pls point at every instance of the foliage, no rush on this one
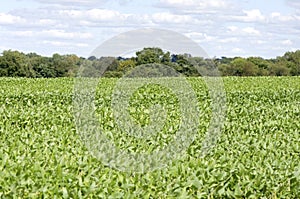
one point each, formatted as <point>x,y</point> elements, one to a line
<point>17,64</point>
<point>151,55</point>
<point>126,65</point>
<point>257,155</point>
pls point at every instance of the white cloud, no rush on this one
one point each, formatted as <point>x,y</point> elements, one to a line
<point>64,44</point>
<point>199,4</point>
<point>287,42</point>
<point>82,45</point>
<point>23,33</point>
<point>6,19</point>
<point>83,3</point>
<point>172,18</point>
<point>25,20</point>
<point>54,43</point>
<point>259,42</point>
<point>237,50</point>
<point>100,18</point>
<point>200,37</point>
<point>65,35</point>
<point>74,2</point>
<point>93,14</point>
<point>94,17</point>
<point>46,22</point>
<point>229,40</point>
<point>276,16</point>
<point>293,3</point>
<point>251,31</point>
<point>57,34</point>
<point>254,15</point>
<point>222,26</point>
<point>104,15</point>
<point>195,6</point>
<point>234,30</point>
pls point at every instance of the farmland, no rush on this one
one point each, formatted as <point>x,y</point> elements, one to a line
<point>257,154</point>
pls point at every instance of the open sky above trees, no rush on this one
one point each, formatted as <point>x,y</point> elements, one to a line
<point>222,27</point>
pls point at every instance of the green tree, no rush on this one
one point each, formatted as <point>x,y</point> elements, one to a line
<point>279,69</point>
<point>293,62</point>
<point>126,65</point>
<point>263,65</point>
<point>150,55</point>
<point>242,67</point>
<point>15,64</point>
<point>65,65</point>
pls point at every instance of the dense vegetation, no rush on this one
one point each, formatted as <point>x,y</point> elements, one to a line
<point>42,156</point>
<point>18,64</point>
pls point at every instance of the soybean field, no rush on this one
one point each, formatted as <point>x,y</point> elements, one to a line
<point>256,155</point>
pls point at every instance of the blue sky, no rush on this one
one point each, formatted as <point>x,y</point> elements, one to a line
<point>221,27</point>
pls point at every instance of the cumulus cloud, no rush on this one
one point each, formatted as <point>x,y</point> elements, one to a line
<point>259,42</point>
<point>64,18</point>
<point>221,26</point>
<point>234,30</point>
<point>254,15</point>
<point>64,44</point>
<point>195,6</point>
<point>203,4</point>
<point>237,50</point>
<point>83,3</point>
<point>229,40</point>
<point>277,16</point>
<point>93,14</point>
<point>23,33</point>
<point>287,42</point>
<point>74,2</point>
<point>46,22</point>
<point>53,33</point>
<point>200,37</point>
<point>7,19</point>
<point>166,17</point>
<point>251,30</point>
<point>65,35</point>
<point>293,3</point>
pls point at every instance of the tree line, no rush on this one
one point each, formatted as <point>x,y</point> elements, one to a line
<point>32,65</point>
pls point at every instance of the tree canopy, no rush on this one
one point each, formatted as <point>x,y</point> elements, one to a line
<point>32,65</point>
